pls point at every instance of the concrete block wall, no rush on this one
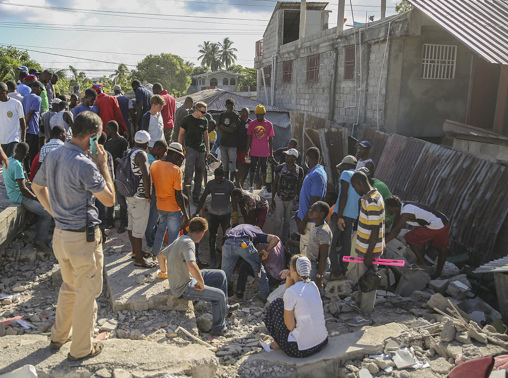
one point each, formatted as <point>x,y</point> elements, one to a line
<point>491,152</point>
<point>375,72</point>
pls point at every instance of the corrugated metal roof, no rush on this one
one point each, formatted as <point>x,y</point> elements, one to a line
<point>495,266</point>
<point>296,5</point>
<point>469,190</point>
<point>480,25</point>
<point>215,99</point>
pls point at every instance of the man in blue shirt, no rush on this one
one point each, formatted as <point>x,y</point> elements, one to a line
<point>17,191</point>
<point>32,108</point>
<point>345,213</point>
<point>143,105</point>
<point>88,104</point>
<point>313,190</point>
<point>23,88</point>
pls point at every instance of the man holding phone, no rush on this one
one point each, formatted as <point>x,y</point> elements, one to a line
<point>69,180</point>
<point>187,281</point>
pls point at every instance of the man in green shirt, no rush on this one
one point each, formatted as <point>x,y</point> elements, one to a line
<point>194,134</point>
<point>381,188</point>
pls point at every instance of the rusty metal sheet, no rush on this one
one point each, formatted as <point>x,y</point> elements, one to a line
<point>465,188</point>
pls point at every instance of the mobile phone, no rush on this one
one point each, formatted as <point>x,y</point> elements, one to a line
<point>93,149</point>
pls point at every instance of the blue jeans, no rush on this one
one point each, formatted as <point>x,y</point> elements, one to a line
<point>216,286</point>
<point>314,269</point>
<point>169,221</point>
<point>44,222</point>
<point>233,250</point>
<point>152,222</point>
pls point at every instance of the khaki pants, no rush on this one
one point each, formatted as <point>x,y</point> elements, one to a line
<point>81,264</point>
<point>168,135</point>
<point>304,239</point>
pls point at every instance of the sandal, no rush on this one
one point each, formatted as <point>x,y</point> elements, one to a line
<point>55,345</point>
<point>144,254</point>
<point>145,264</point>
<point>97,348</point>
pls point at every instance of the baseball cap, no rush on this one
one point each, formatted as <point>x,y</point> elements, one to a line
<point>292,152</point>
<point>142,137</point>
<point>34,71</point>
<point>349,159</point>
<point>364,170</point>
<point>31,78</point>
<point>260,109</point>
<point>117,88</point>
<point>23,68</point>
<point>56,101</point>
<point>176,147</point>
<point>366,144</point>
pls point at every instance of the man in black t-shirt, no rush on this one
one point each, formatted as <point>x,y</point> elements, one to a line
<point>241,147</point>
<point>116,145</point>
<point>227,126</point>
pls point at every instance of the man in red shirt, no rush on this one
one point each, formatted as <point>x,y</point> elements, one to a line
<point>168,111</point>
<point>109,109</point>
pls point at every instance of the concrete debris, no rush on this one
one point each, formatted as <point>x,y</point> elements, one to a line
<point>121,373</point>
<point>420,296</point>
<point>391,346</point>
<point>383,363</point>
<point>364,373</point>
<point>457,290</point>
<point>56,278</point>
<point>439,285</point>
<point>10,332</point>
<point>178,304</point>
<point>204,322</point>
<point>475,332</point>
<point>371,367</point>
<point>136,335</point>
<point>448,332</point>
<point>141,279</point>
<point>18,288</point>
<point>27,255</point>
<point>110,325</point>
<point>463,337</point>
<point>336,290</point>
<point>441,366</point>
<point>403,359</point>
<point>478,316</point>
<point>449,270</point>
<point>437,301</point>
<point>103,373</point>
<point>121,334</point>
<point>411,281</point>
<point>334,309</point>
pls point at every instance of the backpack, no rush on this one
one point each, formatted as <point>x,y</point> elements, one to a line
<point>126,181</point>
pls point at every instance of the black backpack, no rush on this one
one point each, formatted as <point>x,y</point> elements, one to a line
<point>126,181</point>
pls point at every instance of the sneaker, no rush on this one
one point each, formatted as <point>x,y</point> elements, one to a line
<point>235,298</point>
<point>352,305</point>
<point>333,277</point>
<point>121,229</point>
<point>359,321</point>
<point>42,248</point>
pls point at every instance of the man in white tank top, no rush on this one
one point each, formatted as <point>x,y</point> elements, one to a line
<point>63,118</point>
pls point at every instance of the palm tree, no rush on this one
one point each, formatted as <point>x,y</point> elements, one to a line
<point>210,55</point>
<point>227,54</point>
<point>121,74</point>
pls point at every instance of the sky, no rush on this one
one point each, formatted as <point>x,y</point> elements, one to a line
<point>95,36</point>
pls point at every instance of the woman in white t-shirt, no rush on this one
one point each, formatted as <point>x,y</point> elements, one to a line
<point>297,322</point>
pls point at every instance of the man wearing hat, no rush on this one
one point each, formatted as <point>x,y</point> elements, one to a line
<point>260,143</point>
<point>138,206</point>
<point>167,176</point>
<point>287,184</point>
<point>344,215</point>
<point>125,106</point>
<point>362,155</point>
<point>32,108</point>
<point>26,80</point>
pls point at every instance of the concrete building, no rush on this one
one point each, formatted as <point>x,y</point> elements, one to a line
<point>404,74</point>
<point>221,79</point>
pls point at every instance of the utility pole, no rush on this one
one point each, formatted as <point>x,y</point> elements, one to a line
<point>303,21</point>
<point>340,17</point>
<point>383,9</point>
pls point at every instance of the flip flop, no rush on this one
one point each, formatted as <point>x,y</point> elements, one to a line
<point>97,348</point>
<point>55,345</point>
<point>144,254</point>
<point>145,265</point>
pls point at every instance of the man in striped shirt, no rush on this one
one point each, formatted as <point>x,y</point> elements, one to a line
<point>370,243</point>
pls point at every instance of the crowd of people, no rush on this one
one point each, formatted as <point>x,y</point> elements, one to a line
<point>85,155</point>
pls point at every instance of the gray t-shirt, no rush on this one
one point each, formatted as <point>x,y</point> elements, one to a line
<point>178,253</point>
<point>221,196</point>
<point>318,236</point>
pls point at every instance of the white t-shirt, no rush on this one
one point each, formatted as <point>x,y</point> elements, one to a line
<point>425,218</point>
<point>11,112</point>
<point>16,96</point>
<point>305,300</point>
<point>155,129</point>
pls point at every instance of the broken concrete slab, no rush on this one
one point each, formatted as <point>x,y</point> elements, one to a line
<point>364,373</point>
<point>463,338</point>
<point>369,340</point>
<point>440,366</point>
<point>411,281</point>
<point>478,316</point>
<point>439,285</point>
<point>475,332</point>
<point>403,359</point>
<point>140,358</point>
<point>457,289</point>
<point>337,290</point>
<point>441,303</point>
<point>450,269</point>
<point>448,332</point>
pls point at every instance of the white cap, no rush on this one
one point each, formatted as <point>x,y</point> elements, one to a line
<point>142,137</point>
<point>56,101</point>
<point>292,152</point>
<point>117,88</point>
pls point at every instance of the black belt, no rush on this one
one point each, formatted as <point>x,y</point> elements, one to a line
<point>83,229</point>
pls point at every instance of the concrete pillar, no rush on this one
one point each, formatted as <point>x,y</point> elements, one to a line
<point>340,16</point>
<point>501,99</point>
<point>383,9</point>
<point>303,20</point>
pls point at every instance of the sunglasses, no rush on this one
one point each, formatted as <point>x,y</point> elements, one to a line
<point>202,112</point>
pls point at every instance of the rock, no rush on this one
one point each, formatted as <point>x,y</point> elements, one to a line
<point>27,255</point>
<point>420,296</point>
<point>440,366</point>
<point>7,301</point>
<point>403,359</point>
<point>391,346</point>
<point>439,285</point>
<point>372,368</point>
<point>103,373</point>
<point>204,322</point>
<point>2,329</point>
<point>41,256</point>
<point>334,309</point>
<point>141,279</point>
<point>56,278</point>
<point>178,304</point>
<point>120,334</point>
<point>457,290</point>
<point>18,288</point>
<point>439,348</point>
<point>136,335</point>
<point>110,325</point>
<point>475,333</point>
<point>411,281</point>
<point>336,290</point>
<point>478,316</point>
<point>35,319</point>
<point>449,270</point>
<point>448,332</point>
<point>441,303</point>
<point>120,373</point>
<point>121,317</point>
<point>383,363</point>
<point>10,332</point>
<point>364,373</point>
<point>463,337</point>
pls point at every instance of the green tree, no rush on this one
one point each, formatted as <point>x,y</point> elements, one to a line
<point>79,78</point>
<point>11,58</point>
<point>63,85</point>
<point>236,68</point>
<point>168,69</point>
<point>403,6</point>
<point>249,79</point>
<point>122,76</point>
<point>210,55</point>
<point>227,53</point>
<point>199,70</point>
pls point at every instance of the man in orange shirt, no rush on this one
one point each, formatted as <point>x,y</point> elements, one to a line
<point>109,109</point>
<point>166,176</point>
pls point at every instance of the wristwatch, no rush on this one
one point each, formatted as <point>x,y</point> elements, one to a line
<point>319,276</point>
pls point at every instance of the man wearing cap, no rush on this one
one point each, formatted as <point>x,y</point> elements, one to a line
<point>167,181</point>
<point>345,214</point>
<point>168,111</point>
<point>25,87</point>
<point>88,103</point>
<point>125,106</point>
<point>362,155</point>
<point>143,105</point>
<point>12,122</point>
<point>260,144</point>
<point>32,108</point>
<point>194,133</point>
<point>287,184</point>
<point>109,109</point>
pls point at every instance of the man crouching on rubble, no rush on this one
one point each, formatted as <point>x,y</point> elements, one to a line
<point>188,282</point>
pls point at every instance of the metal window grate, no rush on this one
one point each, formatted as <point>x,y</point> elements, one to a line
<point>349,62</point>
<point>287,72</point>
<point>313,69</point>
<point>259,48</point>
<point>438,61</point>
<point>267,71</point>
